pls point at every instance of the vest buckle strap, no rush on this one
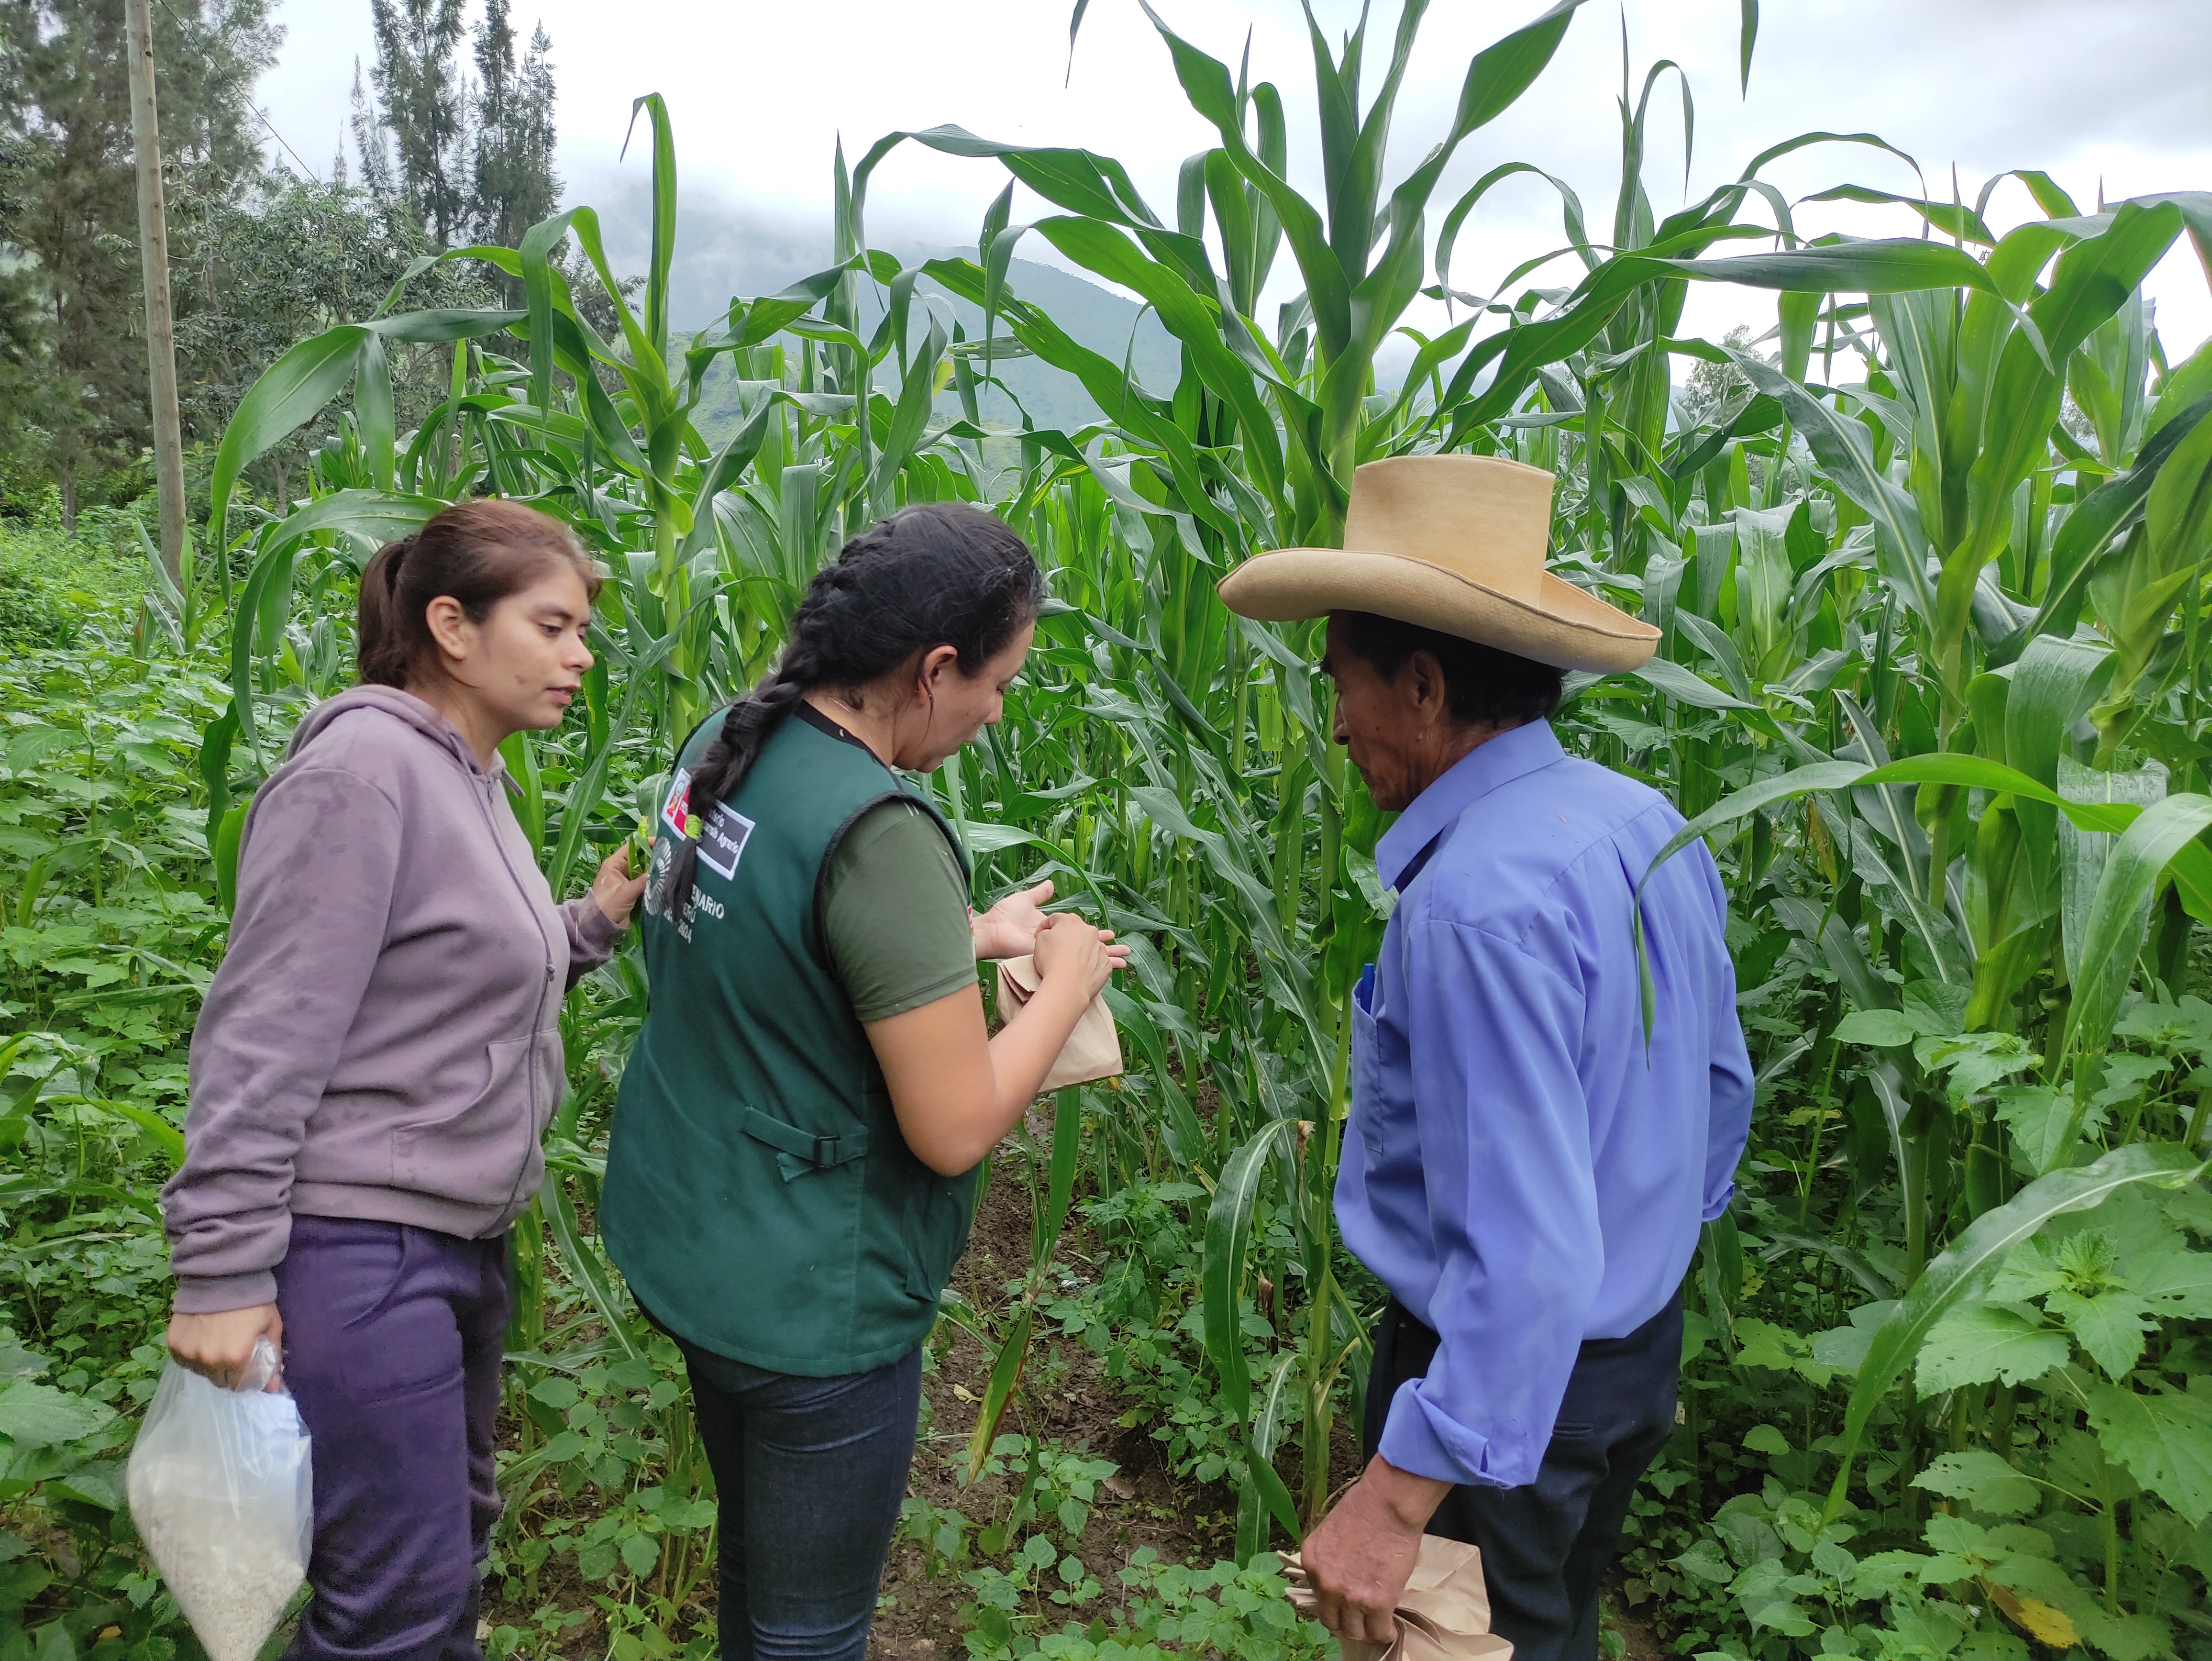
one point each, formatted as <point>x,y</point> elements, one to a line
<point>800,1152</point>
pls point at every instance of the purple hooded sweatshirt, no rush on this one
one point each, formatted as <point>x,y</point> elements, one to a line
<point>382,1040</point>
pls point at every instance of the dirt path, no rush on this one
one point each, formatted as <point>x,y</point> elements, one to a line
<point>1143,1504</point>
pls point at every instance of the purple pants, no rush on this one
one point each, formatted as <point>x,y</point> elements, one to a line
<point>392,1340</point>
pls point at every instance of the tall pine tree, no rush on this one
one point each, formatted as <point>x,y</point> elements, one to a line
<point>471,160</point>
<point>369,137</point>
<point>514,185</point>
<point>425,107</point>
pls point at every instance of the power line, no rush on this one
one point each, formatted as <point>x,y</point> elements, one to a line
<point>257,114</point>
<point>279,137</point>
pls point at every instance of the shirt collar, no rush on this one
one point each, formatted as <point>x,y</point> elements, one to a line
<point>1467,781</point>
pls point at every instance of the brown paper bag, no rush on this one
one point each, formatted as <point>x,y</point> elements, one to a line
<point>1443,1616</point>
<point>1093,1050</point>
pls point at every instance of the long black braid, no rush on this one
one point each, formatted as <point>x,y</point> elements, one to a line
<point>937,574</point>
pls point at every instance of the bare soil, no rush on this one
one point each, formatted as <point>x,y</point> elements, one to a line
<point>1643,1642</point>
<point>1144,1505</point>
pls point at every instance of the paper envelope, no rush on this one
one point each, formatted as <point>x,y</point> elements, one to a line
<point>1443,1616</point>
<point>1093,1050</point>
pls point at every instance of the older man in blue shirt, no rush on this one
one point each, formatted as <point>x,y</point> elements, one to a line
<point>1527,1169</point>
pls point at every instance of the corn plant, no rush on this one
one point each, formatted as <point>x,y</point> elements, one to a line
<point>1256,447</point>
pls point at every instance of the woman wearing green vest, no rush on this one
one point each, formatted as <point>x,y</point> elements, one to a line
<point>795,1141</point>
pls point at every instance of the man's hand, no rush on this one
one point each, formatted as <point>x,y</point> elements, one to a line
<point>1364,1551</point>
<point>219,1346</point>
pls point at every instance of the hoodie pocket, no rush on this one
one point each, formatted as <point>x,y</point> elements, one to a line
<point>474,1153</point>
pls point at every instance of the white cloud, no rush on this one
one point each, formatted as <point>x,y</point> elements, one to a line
<point>2109,94</point>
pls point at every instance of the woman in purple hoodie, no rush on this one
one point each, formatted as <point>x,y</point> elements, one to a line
<point>376,1060</point>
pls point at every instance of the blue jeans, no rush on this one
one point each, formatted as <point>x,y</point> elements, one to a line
<point>810,1474</point>
<point>1546,1546</point>
<point>392,1339</point>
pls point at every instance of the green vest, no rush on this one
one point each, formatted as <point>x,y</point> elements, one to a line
<point>759,1196</point>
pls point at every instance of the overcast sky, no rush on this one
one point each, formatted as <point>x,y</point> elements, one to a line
<point>2110,94</point>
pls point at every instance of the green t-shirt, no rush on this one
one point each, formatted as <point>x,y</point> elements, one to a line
<point>895,913</point>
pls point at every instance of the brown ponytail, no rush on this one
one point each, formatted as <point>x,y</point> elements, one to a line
<point>475,553</point>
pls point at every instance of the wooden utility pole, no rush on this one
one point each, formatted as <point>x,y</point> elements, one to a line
<point>153,259</point>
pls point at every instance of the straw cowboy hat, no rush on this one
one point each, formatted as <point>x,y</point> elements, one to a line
<point>1453,542</point>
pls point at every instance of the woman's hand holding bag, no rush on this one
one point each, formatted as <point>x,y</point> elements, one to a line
<point>220,1347</point>
<point>1093,1050</point>
<point>1009,929</point>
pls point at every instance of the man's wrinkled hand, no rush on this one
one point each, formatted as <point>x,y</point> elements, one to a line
<point>1363,1553</point>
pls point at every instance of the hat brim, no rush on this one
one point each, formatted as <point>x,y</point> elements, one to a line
<point>1569,627</point>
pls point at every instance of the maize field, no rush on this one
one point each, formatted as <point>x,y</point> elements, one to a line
<point>1930,562</point>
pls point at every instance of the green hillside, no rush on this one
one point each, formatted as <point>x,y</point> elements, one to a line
<point>1110,324</point>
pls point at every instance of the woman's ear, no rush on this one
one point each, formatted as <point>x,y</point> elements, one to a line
<point>450,626</point>
<point>937,659</point>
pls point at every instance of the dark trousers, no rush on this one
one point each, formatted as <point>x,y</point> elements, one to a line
<point>810,1473</point>
<point>1546,1545</point>
<point>392,1339</point>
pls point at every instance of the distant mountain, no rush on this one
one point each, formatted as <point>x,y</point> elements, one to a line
<point>723,249</point>
<point>1116,328</point>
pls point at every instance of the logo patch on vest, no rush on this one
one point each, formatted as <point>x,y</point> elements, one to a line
<point>674,811</point>
<point>722,839</point>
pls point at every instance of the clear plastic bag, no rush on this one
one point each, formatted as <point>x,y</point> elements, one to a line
<point>221,1492</point>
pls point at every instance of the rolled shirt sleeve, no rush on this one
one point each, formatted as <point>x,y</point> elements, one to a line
<point>1512,1204</point>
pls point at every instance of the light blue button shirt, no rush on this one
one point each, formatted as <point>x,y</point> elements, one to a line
<point>1520,1170</point>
